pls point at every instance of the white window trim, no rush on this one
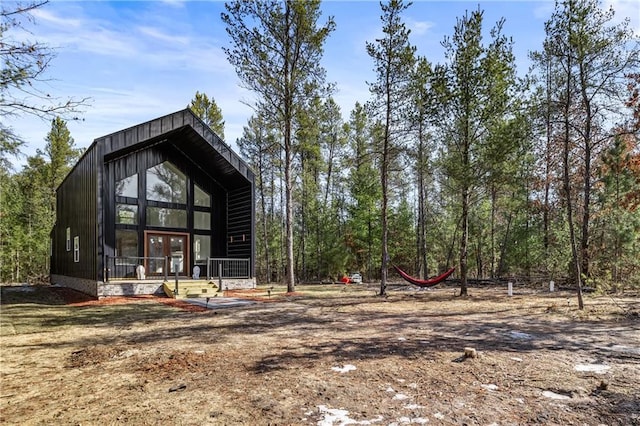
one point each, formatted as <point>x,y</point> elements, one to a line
<point>76,249</point>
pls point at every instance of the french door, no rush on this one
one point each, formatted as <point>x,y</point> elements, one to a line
<point>175,246</point>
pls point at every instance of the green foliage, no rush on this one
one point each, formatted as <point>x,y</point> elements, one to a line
<point>259,145</point>
<point>476,91</point>
<point>446,161</point>
<point>617,222</point>
<point>276,49</point>
<point>29,200</point>
<point>10,146</point>
<point>209,112</point>
<point>393,58</point>
<point>362,235</point>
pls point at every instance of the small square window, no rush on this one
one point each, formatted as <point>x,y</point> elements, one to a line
<point>126,214</point>
<point>76,249</point>
<point>201,220</point>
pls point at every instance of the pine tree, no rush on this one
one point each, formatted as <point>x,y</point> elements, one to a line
<point>276,50</point>
<point>393,58</point>
<point>209,112</point>
<point>476,93</point>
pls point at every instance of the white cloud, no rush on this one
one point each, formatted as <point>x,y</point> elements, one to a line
<point>174,3</point>
<point>46,16</point>
<point>164,37</point>
<point>543,10</point>
<point>419,28</point>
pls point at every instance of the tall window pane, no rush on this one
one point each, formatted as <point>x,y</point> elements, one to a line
<point>166,183</point>
<point>127,187</point>
<point>126,243</point>
<point>201,220</point>
<point>166,218</point>
<point>201,249</point>
<point>201,198</point>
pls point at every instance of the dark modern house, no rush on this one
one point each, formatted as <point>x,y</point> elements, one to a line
<point>160,201</point>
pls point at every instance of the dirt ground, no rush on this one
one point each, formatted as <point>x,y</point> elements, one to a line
<point>327,355</point>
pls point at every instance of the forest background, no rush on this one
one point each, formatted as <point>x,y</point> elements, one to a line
<point>460,162</point>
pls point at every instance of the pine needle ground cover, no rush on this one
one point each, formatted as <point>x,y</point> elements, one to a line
<point>327,354</point>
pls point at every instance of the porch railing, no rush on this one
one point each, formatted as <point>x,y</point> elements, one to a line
<point>221,267</point>
<point>126,267</point>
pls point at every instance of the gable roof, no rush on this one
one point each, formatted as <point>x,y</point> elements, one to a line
<point>188,134</point>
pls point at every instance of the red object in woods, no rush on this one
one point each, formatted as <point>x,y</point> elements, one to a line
<point>424,283</point>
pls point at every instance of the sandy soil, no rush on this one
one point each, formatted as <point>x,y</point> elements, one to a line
<point>328,355</point>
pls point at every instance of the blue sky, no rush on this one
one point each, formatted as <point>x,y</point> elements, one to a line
<point>139,60</point>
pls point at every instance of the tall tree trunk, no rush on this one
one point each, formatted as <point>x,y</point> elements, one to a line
<point>586,208</point>
<point>17,267</point>
<point>263,208</point>
<point>464,241</point>
<point>567,183</point>
<point>546,208</point>
<point>290,277</point>
<point>288,153</point>
<point>493,230</point>
<point>503,248</point>
<point>422,270</point>
<point>385,201</point>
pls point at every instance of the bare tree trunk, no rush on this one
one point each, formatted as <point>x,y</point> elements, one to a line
<point>288,155</point>
<point>586,208</point>
<point>423,270</point>
<point>567,185</point>
<point>503,248</point>
<point>288,194</point>
<point>493,231</point>
<point>265,228</point>
<point>385,201</point>
<point>464,242</point>
<point>17,267</point>
<point>547,181</point>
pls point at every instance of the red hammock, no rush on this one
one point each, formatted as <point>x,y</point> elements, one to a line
<point>424,283</point>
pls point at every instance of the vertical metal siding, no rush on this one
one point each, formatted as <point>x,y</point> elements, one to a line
<point>77,199</point>
<point>240,223</point>
<point>86,199</point>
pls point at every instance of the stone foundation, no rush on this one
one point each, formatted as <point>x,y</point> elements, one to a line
<point>236,283</point>
<point>136,288</point>
<point>129,288</point>
<point>83,285</point>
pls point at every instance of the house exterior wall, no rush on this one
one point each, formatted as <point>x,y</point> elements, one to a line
<point>240,228</point>
<point>77,210</point>
<point>137,163</point>
<point>86,200</point>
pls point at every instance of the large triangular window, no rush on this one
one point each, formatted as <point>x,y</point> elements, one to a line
<point>127,187</point>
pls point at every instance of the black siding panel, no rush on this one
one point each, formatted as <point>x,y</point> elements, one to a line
<point>77,208</point>
<point>240,229</point>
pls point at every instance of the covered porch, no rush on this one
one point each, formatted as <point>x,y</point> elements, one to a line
<point>127,276</point>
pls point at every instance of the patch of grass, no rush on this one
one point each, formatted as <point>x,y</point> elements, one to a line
<point>27,310</point>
